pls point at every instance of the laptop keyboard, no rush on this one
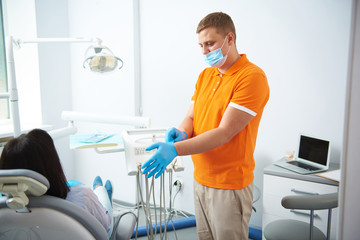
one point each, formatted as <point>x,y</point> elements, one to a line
<point>303,165</point>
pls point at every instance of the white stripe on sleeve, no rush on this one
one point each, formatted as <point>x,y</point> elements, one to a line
<point>242,108</point>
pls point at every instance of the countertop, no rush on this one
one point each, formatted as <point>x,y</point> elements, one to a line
<point>282,172</point>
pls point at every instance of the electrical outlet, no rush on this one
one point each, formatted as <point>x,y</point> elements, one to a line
<point>178,184</point>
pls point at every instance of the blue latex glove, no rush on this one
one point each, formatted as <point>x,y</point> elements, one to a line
<point>158,162</point>
<point>175,135</point>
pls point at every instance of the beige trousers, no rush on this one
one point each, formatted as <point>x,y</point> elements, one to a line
<point>222,214</point>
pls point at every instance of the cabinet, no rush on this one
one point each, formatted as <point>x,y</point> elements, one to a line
<point>279,182</point>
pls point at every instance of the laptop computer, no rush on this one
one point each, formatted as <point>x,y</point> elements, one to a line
<point>313,156</point>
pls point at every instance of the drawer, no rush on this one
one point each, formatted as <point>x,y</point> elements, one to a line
<point>281,186</point>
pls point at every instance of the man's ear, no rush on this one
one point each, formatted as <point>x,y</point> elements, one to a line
<point>231,37</point>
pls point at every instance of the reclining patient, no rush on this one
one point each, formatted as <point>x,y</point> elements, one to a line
<point>36,151</point>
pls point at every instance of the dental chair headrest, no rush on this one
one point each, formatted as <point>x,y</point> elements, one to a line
<point>18,183</point>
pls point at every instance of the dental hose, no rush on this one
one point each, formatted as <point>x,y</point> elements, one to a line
<point>161,236</point>
<point>148,216</point>
<point>164,214</point>
<point>138,201</point>
<point>163,186</point>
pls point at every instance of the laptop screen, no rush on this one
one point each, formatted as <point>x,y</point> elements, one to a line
<point>314,150</point>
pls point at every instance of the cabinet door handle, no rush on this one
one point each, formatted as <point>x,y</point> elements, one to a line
<point>303,213</point>
<point>303,192</point>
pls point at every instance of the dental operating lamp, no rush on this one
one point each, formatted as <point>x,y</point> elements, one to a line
<point>98,58</point>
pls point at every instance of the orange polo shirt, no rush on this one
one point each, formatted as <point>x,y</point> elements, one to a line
<point>243,86</point>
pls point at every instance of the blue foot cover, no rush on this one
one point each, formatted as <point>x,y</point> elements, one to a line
<point>97,181</point>
<point>109,189</point>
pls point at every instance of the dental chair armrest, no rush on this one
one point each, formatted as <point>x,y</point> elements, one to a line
<point>311,202</point>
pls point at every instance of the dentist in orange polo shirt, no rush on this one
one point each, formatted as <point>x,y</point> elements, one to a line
<point>219,132</point>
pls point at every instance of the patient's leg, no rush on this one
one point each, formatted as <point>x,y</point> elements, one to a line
<point>104,199</point>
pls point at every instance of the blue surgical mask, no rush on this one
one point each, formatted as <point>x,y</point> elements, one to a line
<point>215,58</point>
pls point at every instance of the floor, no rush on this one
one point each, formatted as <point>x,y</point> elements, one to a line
<point>187,233</point>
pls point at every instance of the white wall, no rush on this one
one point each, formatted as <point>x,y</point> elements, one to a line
<point>20,22</point>
<point>301,45</point>
<point>54,68</point>
<point>108,94</point>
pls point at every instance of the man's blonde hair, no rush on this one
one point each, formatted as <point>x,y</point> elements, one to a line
<point>221,21</point>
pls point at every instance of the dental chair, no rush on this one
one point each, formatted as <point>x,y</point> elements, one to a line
<point>26,213</point>
<point>285,229</point>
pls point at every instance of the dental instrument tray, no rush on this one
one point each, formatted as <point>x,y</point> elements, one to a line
<point>97,137</point>
<point>81,141</point>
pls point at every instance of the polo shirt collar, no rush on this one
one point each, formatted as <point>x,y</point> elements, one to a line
<point>235,67</point>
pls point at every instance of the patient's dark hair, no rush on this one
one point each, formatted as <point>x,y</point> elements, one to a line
<point>36,151</point>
